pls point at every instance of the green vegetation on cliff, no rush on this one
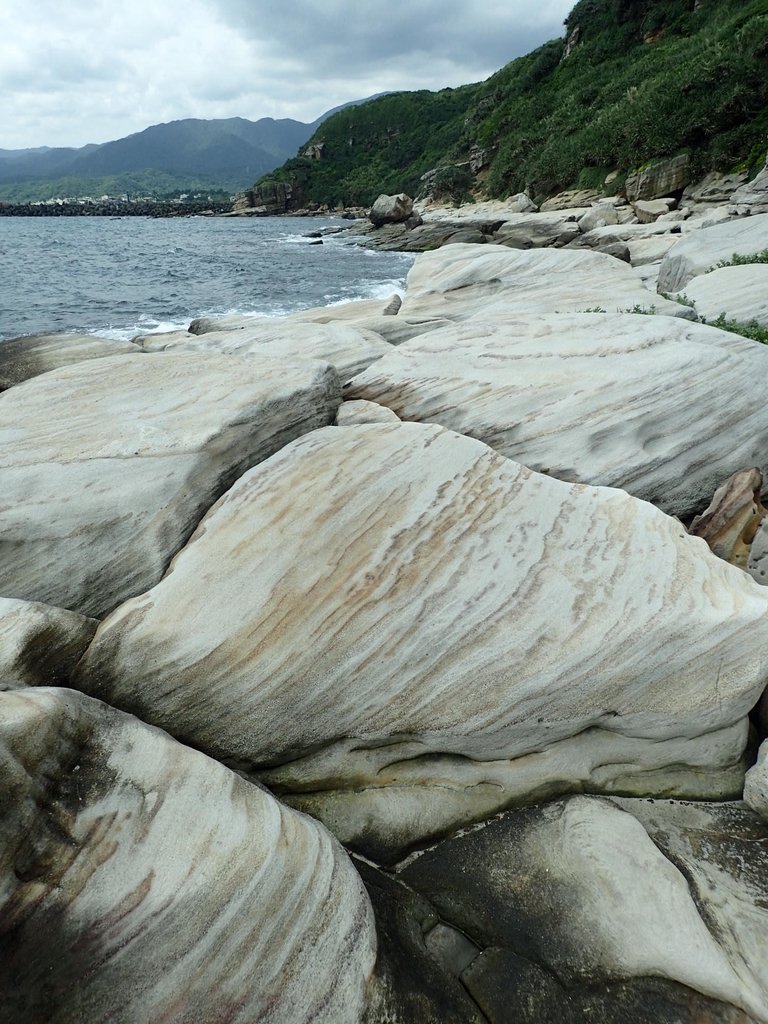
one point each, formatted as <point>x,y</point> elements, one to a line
<point>643,79</point>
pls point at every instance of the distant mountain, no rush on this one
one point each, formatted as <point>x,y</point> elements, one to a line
<point>223,154</point>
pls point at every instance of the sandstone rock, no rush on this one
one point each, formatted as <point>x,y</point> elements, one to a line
<point>757,565</point>
<point>427,632</point>
<point>461,282</point>
<point>598,217</point>
<point>40,645</point>
<point>660,178</point>
<point>160,341</point>
<point>397,329</point>
<point>355,412</point>
<point>700,251</point>
<point>347,347</point>
<point>733,518</point>
<point>23,358</point>
<point>663,408</point>
<point>756,784</point>
<point>233,322</point>
<point>98,497</point>
<point>649,210</point>
<point>571,200</point>
<point>350,312</point>
<point>142,881</point>
<point>521,203</point>
<point>391,209</point>
<point>740,293</point>
<point>752,197</point>
<point>649,912</point>
<point>539,231</point>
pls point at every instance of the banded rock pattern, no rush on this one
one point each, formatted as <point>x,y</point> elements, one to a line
<point>106,467</point>
<point>348,348</point>
<point>462,282</point>
<point>662,408</point>
<point>33,354</point>
<point>428,632</point>
<point>141,881</point>
<point>701,251</point>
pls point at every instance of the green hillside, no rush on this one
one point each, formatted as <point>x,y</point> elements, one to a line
<point>645,78</point>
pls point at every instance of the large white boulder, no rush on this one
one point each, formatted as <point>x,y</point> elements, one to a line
<point>664,408</point>
<point>739,293</point>
<point>698,252</point>
<point>347,347</point>
<point>460,282</point>
<point>605,910</point>
<point>106,467</point>
<point>141,881</point>
<point>401,631</point>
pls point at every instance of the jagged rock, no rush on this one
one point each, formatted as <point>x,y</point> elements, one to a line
<point>409,982</point>
<point>757,565</point>
<point>663,408</point>
<point>23,358</point>
<point>752,197</point>
<point>740,293</point>
<point>355,412</point>
<point>649,210</point>
<point>142,881</point>
<point>756,784</point>
<point>398,329</point>
<point>572,200</point>
<point>658,179</point>
<point>391,209</point>
<point>40,645</point>
<point>106,467</point>
<point>733,518</point>
<point>613,911</point>
<point>461,282</point>
<point>715,187</point>
<point>700,251</point>
<point>347,347</point>
<point>427,632</point>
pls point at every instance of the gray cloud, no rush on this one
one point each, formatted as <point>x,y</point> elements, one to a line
<point>91,70</point>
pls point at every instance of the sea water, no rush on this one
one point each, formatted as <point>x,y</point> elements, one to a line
<point>123,276</point>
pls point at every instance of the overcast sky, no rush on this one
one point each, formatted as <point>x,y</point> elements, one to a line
<point>83,71</point>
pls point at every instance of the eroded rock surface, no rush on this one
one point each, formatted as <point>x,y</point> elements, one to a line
<point>662,408</point>
<point>40,645</point>
<point>460,282</point>
<point>106,467</point>
<point>731,522</point>
<point>142,881</point>
<point>700,251</point>
<point>427,632</point>
<point>738,293</point>
<point>616,911</point>
<point>29,356</point>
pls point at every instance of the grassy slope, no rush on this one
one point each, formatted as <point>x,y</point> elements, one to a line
<point>648,78</point>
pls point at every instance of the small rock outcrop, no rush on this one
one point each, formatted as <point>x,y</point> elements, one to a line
<point>29,356</point>
<point>733,518</point>
<point>660,178</point>
<point>391,210</point>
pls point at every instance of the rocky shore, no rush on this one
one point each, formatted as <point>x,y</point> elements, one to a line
<point>398,661</point>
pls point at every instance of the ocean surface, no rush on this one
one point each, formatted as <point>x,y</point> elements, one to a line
<point>123,276</point>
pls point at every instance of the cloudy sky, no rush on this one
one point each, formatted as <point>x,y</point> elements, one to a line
<point>83,71</point>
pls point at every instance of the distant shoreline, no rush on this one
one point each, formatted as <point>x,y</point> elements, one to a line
<point>117,208</point>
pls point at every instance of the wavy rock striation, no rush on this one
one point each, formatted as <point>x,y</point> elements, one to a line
<point>141,881</point>
<point>462,282</point>
<point>40,645</point>
<point>662,408</point>
<point>107,467</point>
<point>427,632</point>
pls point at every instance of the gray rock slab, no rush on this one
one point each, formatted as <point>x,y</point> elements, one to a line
<point>609,910</point>
<point>739,293</point>
<point>29,356</point>
<point>106,467</point>
<point>661,407</point>
<point>427,632</point>
<point>141,881</point>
